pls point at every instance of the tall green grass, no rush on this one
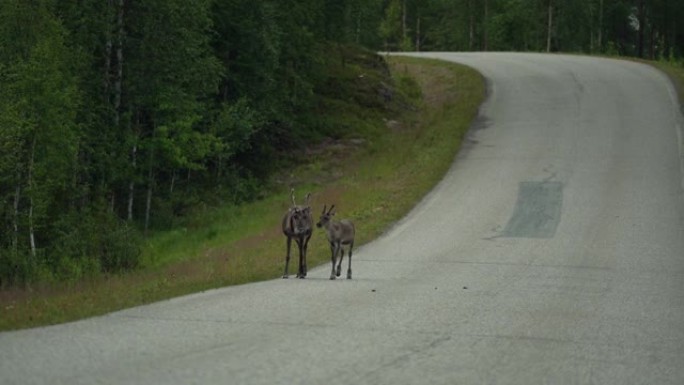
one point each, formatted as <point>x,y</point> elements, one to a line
<point>675,70</point>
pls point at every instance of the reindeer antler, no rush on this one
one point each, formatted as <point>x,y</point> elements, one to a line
<point>331,209</point>
<point>308,195</point>
<point>293,197</point>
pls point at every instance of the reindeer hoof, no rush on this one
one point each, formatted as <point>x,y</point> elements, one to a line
<point>332,277</point>
<point>285,277</point>
<point>349,275</point>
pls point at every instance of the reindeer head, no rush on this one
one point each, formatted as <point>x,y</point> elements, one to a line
<point>301,219</point>
<point>325,217</point>
<point>300,216</point>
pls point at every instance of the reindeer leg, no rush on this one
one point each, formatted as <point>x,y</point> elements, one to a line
<point>306,247</point>
<point>349,273</point>
<point>339,262</point>
<point>300,246</point>
<point>333,251</point>
<point>287,257</point>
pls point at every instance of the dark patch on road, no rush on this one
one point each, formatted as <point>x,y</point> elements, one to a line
<point>537,210</point>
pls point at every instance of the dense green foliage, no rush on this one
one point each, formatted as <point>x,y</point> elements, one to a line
<point>119,116</point>
<point>645,28</point>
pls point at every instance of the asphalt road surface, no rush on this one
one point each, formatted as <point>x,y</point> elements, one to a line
<point>551,253</point>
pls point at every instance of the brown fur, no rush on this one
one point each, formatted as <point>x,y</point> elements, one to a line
<point>339,233</point>
<point>298,224</point>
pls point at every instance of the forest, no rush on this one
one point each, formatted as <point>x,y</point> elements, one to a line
<point>117,117</point>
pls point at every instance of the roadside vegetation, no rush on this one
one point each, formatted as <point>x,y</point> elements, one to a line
<point>675,70</point>
<point>389,155</point>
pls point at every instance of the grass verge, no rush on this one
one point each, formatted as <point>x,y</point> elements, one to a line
<point>675,71</point>
<point>375,181</point>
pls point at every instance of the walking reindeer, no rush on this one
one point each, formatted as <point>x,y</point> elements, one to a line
<point>339,233</point>
<point>298,224</point>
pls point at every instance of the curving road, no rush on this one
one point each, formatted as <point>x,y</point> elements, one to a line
<point>552,252</point>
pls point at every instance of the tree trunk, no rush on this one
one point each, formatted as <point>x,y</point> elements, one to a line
<point>673,39</point>
<point>219,168</point>
<point>108,53</point>
<point>404,30</point>
<point>131,185</point>
<point>642,26</point>
<point>600,27</point>
<point>148,202</point>
<point>418,34</point>
<point>652,45</point>
<point>173,181</point>
<point>485,43</point>
<point>471,40</point>
<point>150,185</point>
<point>107,84</point>
<point>32,234</point>
<point>549,27</point>
<point>357,37</point>
<point>32,237</point>
<point>15,219</point>
<point>119,63</point>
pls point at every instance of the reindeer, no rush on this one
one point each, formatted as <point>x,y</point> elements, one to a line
<point>297,224</point>
<point>339,233</point>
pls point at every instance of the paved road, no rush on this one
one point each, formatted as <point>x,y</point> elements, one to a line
<point>552,252</point>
